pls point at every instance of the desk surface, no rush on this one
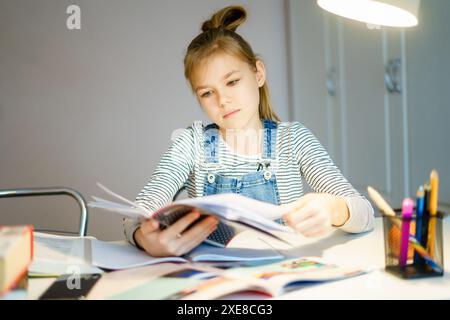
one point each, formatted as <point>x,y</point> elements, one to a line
<point>368,250</point>
<point>347,249</point>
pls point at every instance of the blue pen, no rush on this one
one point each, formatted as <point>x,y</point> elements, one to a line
<point>420,205</point>
<point>424,254</point>
<point>425,216</point>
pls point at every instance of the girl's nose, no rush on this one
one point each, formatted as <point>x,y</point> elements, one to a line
<point>224,100</point>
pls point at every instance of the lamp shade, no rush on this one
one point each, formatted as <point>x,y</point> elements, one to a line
<point>392,13</point>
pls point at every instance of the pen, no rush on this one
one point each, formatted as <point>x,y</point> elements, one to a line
<point>419,214</point>
<point>425,216</point>
<point>434,183</point>
<point>407,210</point>
<point>426,198</point>
<point>424,254</point>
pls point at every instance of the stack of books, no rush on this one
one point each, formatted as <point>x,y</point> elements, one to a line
<point>16,255</point>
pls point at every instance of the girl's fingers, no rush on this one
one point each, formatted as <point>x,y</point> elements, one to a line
<point>299,215</point>
<point>181,224</point>
<point>200,227</point>
<point>306,225</point>
<point>180,245</point>
<point>149,226</point>
<point>195,239</point>
<point>316,232</point>
<point>294,206</point>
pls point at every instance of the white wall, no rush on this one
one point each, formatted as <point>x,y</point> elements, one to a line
<point>100,103</point>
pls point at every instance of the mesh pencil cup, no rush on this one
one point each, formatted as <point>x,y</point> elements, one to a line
<point>416,266</point>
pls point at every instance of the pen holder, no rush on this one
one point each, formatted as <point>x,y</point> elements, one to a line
<point>409,263</point>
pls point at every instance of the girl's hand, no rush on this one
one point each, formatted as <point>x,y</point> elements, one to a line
<point>314,214</point>
<point>174,240</point>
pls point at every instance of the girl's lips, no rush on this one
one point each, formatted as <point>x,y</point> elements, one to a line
<point>231,113</point>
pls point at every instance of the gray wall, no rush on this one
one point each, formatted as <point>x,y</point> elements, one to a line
<point>100,103</point>
<point>428,52</point>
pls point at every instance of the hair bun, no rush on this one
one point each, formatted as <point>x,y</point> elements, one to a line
<point>228,18</point>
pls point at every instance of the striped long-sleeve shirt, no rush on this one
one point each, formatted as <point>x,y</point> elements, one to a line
<point>299,156</point>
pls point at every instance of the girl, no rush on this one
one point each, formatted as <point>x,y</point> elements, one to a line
<point>246,150</point>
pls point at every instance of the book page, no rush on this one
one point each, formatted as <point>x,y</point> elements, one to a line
<point>60,248</point>
<point>257,240</point>
<point>125,210</point>
<point>228,206</point>
<point>122,205</point>
<point>254,208</point>
<point>122,255</point>
<point>56,255</point>
<point>295,273</point>
<point>271,279</point>
<point>218,287</point>
<point>116,282</point>
<point>205,252</point>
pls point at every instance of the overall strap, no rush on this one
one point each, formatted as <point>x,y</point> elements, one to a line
<point>270,138</point>
<point>211,145</point>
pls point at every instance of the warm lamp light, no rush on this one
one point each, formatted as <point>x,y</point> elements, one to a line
<point>391,13</point>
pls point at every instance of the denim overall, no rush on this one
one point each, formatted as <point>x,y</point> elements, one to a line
<point>260,184</point>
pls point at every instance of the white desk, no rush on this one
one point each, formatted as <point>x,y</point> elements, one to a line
<point>368,250</point>
<point>347,249</point>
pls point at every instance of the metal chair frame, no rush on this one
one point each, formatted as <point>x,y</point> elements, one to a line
<point>52,191</point>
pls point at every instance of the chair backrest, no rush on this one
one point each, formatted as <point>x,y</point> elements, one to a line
<point>52,191</point>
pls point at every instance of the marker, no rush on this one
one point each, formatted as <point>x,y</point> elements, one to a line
<point>407,211</point>
<point>419,214</point>
<point>434,182</point>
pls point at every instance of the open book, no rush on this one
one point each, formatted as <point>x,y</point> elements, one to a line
<point>271,280</point>
<point>194,281</point>
<point>57,255</point>
<point>236,213</point>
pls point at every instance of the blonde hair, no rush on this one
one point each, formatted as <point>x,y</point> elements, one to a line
<point>219,36</point>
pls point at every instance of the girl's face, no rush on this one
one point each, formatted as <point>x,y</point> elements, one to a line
<point>227,88</point>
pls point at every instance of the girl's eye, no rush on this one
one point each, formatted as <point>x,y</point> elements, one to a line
<point>206,94</point>
<point>232,83</point>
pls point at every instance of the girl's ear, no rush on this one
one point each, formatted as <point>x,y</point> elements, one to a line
<point>260,73</point>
